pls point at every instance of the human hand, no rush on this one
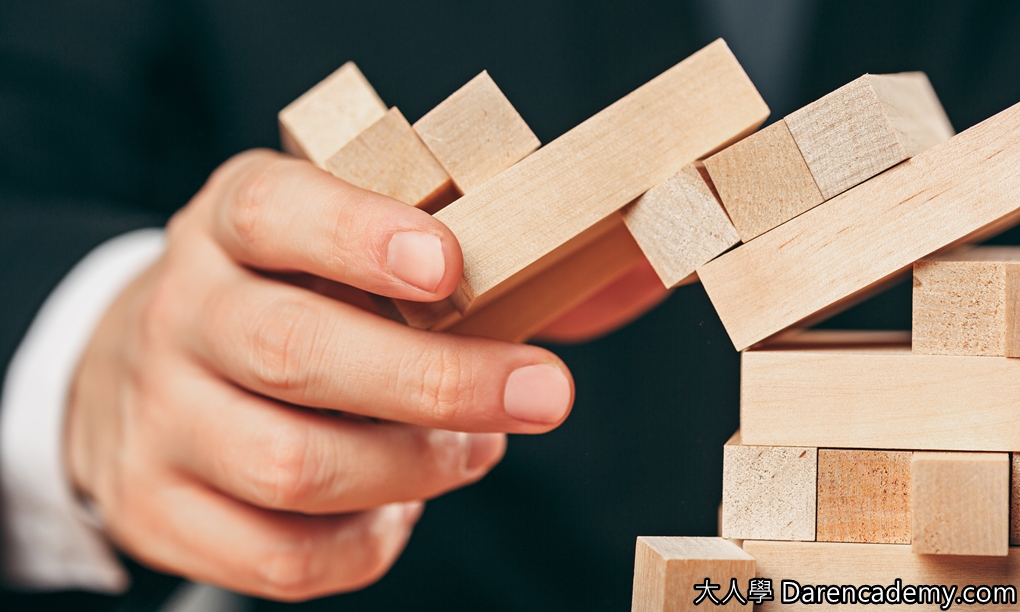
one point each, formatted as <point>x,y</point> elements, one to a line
<point>189,423</point>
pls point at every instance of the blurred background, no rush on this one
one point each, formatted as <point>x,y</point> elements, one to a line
<point>113,113</point>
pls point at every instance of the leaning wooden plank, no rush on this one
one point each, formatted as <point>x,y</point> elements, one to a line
<point>329,115</point>
<point>763,181</point>
<point>680,225</point>
<point>966,303</point>
<point>863,496</point>
<point>513,223</point>
<point>875,396</point>
<point>867,126</point>
<point>882,576</point>
<point>963,189</point>
<point>960,503</point>
<point>769,492</point>
<point>476,133</point>
<point>542,299</point>
<point>667,569</point>
<point>390,159</point>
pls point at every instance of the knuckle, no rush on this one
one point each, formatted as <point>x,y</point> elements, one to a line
<point>283,346</point>
<point>289,479</point>
<point>288,574</point>
<point>248,212</point>
<point>445,386</point>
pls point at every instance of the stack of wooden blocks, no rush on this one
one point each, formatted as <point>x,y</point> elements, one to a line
<point>862,456</point>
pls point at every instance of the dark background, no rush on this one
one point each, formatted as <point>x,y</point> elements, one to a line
<point>112,114</point>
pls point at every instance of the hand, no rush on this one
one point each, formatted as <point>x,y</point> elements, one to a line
<point>190,423</point>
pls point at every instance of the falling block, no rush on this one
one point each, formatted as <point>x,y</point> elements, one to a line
<point>389,158</point>
<point>968,303</point>
<point>763,181</point>
<point>839,252</point>
<point>769,492</point>
<point>666,570</point>
<point>869,393</point>
<point>513,224</point>
<point>867,126</point>
<point>810,568</point>
<point>863,496</point>
<point>329,115</point>
<point>960,503</point>
<point>476,133</point>
<point>680,225</point>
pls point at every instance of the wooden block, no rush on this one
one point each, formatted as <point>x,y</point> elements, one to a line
<point>666,570</point>
<point>329,115</point>
<point>960,503</point>
<point>390,159</point>
<point>963,189</point>
<point>877,396</point>
<point>1014,501</point>
<point>476,133</point>
<point>540,300</point>
<point>513,223</point>
<point>763,181</point>
<point>867,126</point>
<point>890,567</point>
<point>966,303</point>
<point>863,496</point>
<point>680,225</point>
<point>769,492</point>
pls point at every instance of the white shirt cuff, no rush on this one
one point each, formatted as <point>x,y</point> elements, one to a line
<point>50,540</point>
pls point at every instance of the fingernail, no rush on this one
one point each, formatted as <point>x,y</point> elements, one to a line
<point>417,259</point>
<point>537,393</point>
<point>483,449</point>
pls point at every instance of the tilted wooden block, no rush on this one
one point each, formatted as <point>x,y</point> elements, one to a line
<point>390,159</point>
<point>680,225</point>
<point>867,126</point>
<point>666,570</point>
<point>900,574</point>
<point>1014,501</point>
<point>968,303</point>
<point>835,254</point>
<point>960,503</point>
<point>329,115</point>
<point>868,394</point>
<point>763,181</point>
<point>476,133</point>
<point>769,492</point>
<point>512,225</point>
<point>863,496</point>
<point>542,299</point>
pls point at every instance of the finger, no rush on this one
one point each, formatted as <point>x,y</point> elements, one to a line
<point>301,348</point>
<point>186,529</point>
<point>277,213</point>
<point>287,458</point>
<point>633,294</point>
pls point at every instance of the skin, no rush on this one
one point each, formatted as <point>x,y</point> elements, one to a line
<point>240,417</point>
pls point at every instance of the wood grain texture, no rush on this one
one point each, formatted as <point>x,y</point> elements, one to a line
<point>964,303</point>
<point>1014,501</point>
<point>476,133</point>
<point>390,159</point>
<point>863,496</point>
<point>525,213</point>
<point>963,189</point>
<point>824,563</point>
<point>867,126</point>
<point>960,503</point>
<point>539,301</point>
<point>680,225</point>
<point>878,396</point>
<point>769,492</point>
<point>329,115</point>
<point>667,568</point>
<point>763,181</point>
